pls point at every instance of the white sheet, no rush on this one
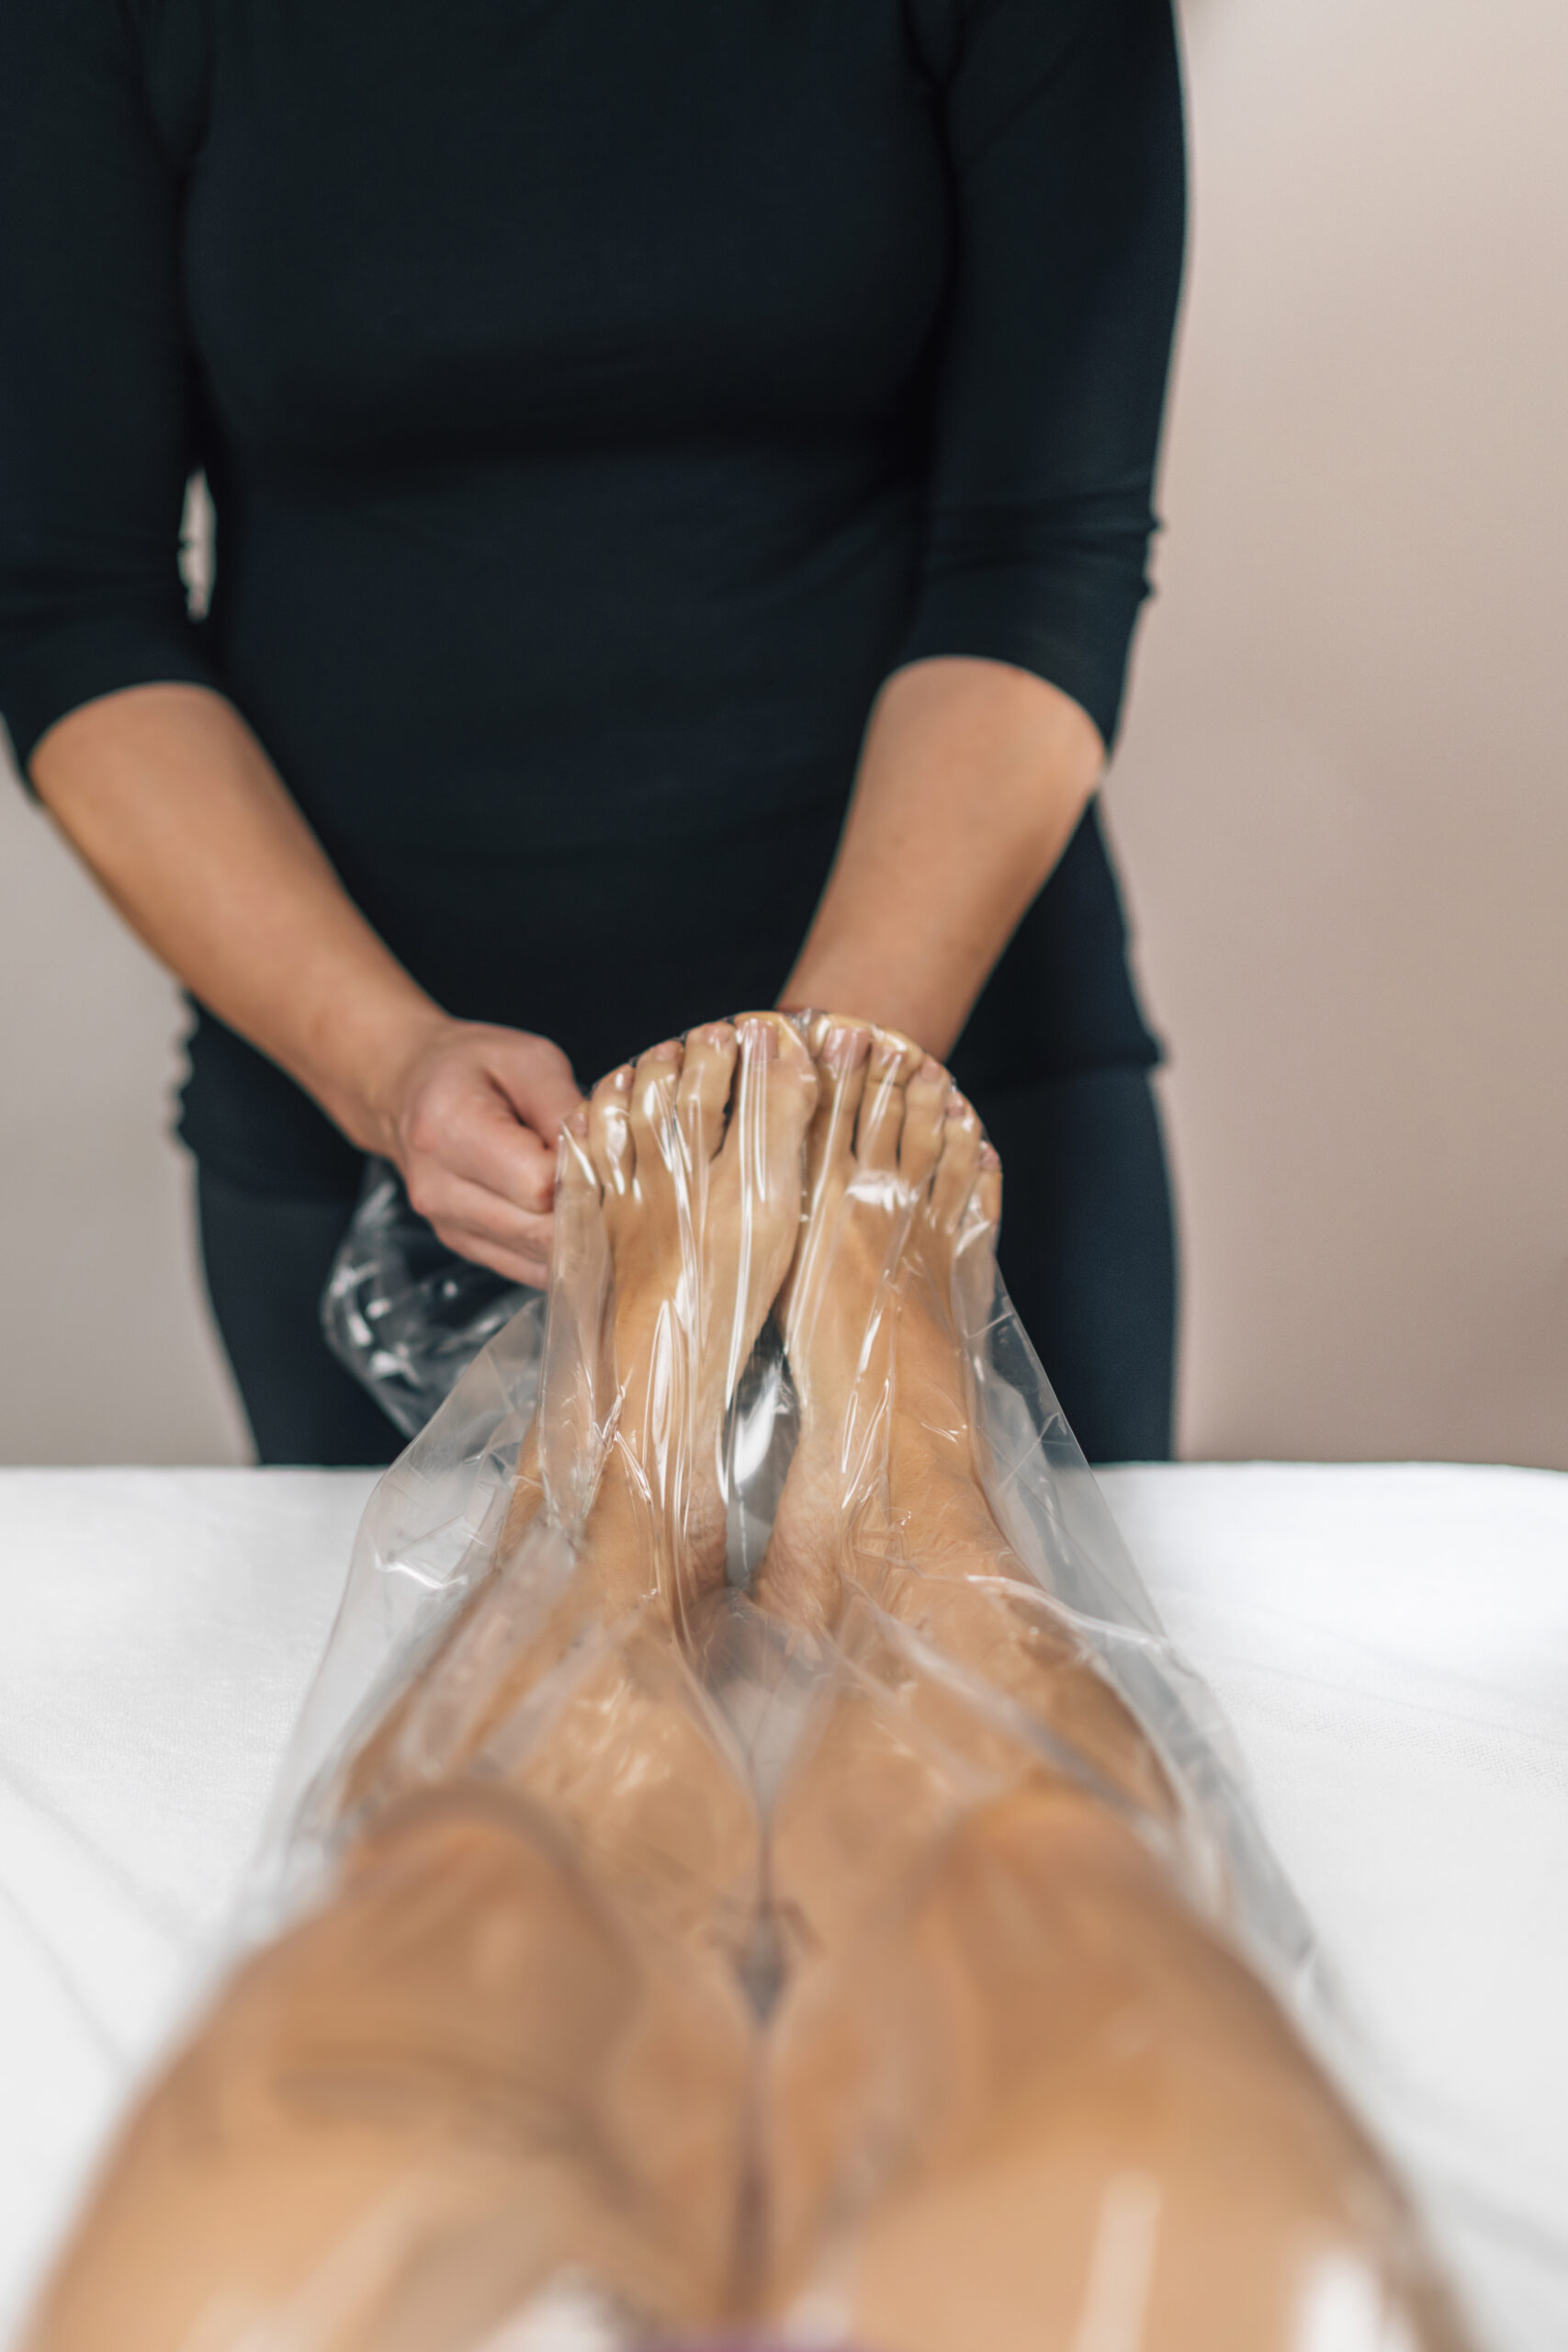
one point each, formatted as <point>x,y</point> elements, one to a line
<point>1391,1645</point>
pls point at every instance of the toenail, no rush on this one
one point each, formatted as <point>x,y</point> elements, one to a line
<point>577,1124</point>
<point>930,1072</point>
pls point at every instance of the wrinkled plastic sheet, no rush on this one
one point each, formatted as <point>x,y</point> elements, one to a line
<point>449,1666</point>
<point>405,1315</point>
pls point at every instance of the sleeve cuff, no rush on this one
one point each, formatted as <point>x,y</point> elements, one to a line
<point>1060,602</point>
<point>44,677</point>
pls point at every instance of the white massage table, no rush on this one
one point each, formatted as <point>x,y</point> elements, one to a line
<point>1391,1645</point>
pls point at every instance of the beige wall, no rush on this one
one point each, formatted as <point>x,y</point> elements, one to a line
<point>1340,800</point>
<point>1342,793</point>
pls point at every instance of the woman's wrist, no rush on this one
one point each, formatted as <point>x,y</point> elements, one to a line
<point>883,995</point>
<point>971,778</point>
<point>169,797</point>
<point>362,1071</point>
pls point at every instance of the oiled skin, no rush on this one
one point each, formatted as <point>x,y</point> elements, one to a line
<point>513,2040</point>
<point>1010,2088</point>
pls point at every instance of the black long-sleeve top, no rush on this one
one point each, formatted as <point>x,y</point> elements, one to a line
<point>599,398</point>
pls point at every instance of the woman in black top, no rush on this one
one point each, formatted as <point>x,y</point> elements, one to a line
<point>638,436</point>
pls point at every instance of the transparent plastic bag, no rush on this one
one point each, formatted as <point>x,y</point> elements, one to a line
<point>403,1313</point>
<point>751,1866</point>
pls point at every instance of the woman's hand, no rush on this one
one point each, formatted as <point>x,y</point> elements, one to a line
<point>472,1118</point>
<point>175,805</point>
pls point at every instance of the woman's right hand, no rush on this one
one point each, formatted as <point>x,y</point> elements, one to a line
<point>175,805</point>
<point>472,1117</point>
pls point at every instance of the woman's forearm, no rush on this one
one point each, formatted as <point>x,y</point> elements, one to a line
<point>173,803</point>
<point>972,780</point>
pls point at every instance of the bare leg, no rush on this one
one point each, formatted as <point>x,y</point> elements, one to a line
<point>1022,2094</point>
<point>680,1195</point>
<point>459,2082</point>
<point>1042,2103</point>
<point>512,2046</point>
<point>885,1502</point>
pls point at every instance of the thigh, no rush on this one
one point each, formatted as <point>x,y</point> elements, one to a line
<point>463,2079</point>
<point>1089,1251</point>
<point>266,1258</point>
<point>1091,2122</point>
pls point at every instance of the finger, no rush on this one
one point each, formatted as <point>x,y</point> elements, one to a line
<point>533,1269</point>
<point>470,1217</point>
<point>483,1141</point>
<point>535,1078</point>
<point>530,1265</point>
<point>534,1273</point>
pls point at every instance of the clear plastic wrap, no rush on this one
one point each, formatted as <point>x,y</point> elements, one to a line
<point>403,1312</point>
<point>751,1868</point>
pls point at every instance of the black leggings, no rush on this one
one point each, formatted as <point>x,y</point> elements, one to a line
<point>1088,1254</point>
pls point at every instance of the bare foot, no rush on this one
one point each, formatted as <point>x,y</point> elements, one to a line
<point>677,1217</point>
<point>885,1500</point>
<point>695,1165</point>
<point>875,1141</point>
<point>973,1777</point>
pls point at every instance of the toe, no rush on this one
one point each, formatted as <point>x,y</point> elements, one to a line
<point>985,1201</point>
<point>578,1196</point>
<point>977,1223</point>
<point>844,1051</point>
<point>925,1112</point>
<point>958,1166</point>
<point>775,1097</point>
<point>702,1095</point>
<point>772,1039</point>
<point>770,1036</point>
<point>576,1175</point>
<point>893,1062</point>
<point>609,1140</point>
<point>654,1083</point>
